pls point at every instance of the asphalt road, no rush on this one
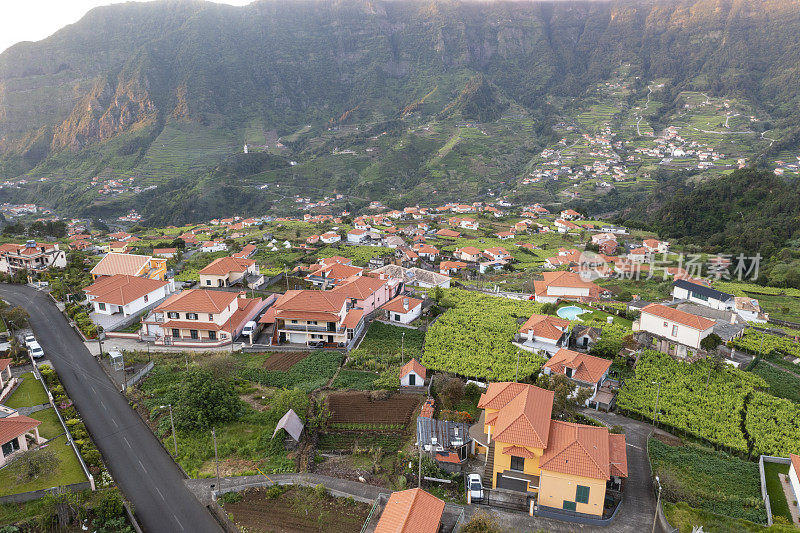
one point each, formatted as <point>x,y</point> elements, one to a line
<point>141,467</point>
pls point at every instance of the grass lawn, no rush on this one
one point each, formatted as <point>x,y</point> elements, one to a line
<point>596,314</point>
<point>50,427</point>
<point>68,471</point>
<point>686,518</point>
<point>782,384</point>
<point>29,393</point>
<point>709,480</point>
<point>385,345</point>
<point>777,499</point>
<point>355,379</point>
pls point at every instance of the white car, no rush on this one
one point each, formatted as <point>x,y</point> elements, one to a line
<point>248,328</point>
<point>29,339</point>
<point>35,350</point>
<point>475,487</point>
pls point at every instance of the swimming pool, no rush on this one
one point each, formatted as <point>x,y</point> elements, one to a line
<point>571,312</point>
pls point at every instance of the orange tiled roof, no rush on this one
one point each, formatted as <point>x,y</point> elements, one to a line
<point>470,250</point>
<point>121,289</point>
<point>546,327</point>
<point>411,511</point>
<point>681,317</point>
<point>360,287</point>
<point>396,304</point>
<point>577,449</point>
<point>795,462</point>
<point>618,455</point>
<point>518,451</point>
<point>352,318</point>
<point>4,364</point>
<point>414,366</point>
<point>12,427</point>
<point>587,368</point>
<point>524,418</point>
<point>114,263</point>
<point>198,301</point>
<point>226,265</point>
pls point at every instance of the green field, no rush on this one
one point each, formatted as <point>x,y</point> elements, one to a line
<point>777,498</point>
<point>69,471</point>
<point>28,393</point>
<point>51,426</point>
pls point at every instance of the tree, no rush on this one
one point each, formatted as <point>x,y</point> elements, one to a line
<point>566,399</point>
<point>15,317</point>
<point>205,401</point>
<point>711,342</point>
<point>438,294</point>
<point>31,464</point>
<point>549,308</point>
<point>481,522</point>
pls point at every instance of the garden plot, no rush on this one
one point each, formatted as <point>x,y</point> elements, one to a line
<point>357,409</point>
<point>284,360</point>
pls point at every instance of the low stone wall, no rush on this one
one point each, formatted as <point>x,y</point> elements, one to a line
<point>36,494</point>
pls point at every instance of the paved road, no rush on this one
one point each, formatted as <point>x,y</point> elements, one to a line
<point>144,471</point>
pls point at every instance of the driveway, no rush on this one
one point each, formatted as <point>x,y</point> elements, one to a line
<point>139,464</point>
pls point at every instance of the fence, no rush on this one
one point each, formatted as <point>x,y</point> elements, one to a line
<point>764,494</point>
<point>22,497</point>
<point>140,374</point>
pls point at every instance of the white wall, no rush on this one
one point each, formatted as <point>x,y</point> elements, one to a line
<point>405,318</point>
<point>418,381</point>
<point>794,481</point>
<point>684,335</point>
<point>553,290</point>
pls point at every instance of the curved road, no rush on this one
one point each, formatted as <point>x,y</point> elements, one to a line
<point>141,467</point>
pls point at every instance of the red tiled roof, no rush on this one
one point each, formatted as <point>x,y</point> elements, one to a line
<point>121,289</point>
<point>360,287</point>
<point>524,420</point>
<point>226,265</point>
<point>577,449</point>
<point>546,327</point>
<point>414,366</point>
<point>618,455</point>
<point>198,301</point>
<point>681,317</point>
<point>587,368</point>
<point>114,263</point>
<point>396,304</point>
<point>518,451</point>
<point>795,462</point>
<point>12,427</point>
<point>4,363</point>
<point>411,511</point>
<point>352,318</point>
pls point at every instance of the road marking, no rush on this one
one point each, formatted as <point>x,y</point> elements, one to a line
<point>126,442</point>
<point>115,423</point>
<point>104,405</point>
<point>179,522</point>
<point>634,446</point>
<point>159,493</point>
<point>143,468</point>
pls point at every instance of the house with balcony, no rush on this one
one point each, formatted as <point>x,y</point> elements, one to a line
<point>333,273</point>
<point>125,295</point>
<point>564,285</point>
<point>587,372</point>
<point>469,254</point>
<point>672,331</point>
<point>141,266</point>
<point>32,256</point>
<point>230,271</point>
<point>565,467</point>
<point>200,317</point>
<point>217,245</point>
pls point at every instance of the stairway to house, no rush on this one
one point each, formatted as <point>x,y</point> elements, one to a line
<point>488,470</point>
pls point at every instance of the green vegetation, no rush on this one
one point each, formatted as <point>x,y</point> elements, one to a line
<point>67,470</point>
<point>781,383</point>
<point>385,345</point>
<point>757,342</point>
<point>777,499</point>
<point>694,398</point>
<point>685,518</point>
<point>103,508</point>
<point>51,426</point>
<point>708,480</point>
<point>28,393</point>
<point>773,425</point>
<point>474,337</point>
<point>311,373</point>
<point>355,379</point>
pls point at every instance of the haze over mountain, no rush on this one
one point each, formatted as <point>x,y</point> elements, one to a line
<point>166,93</point>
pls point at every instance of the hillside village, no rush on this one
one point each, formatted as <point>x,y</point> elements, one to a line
<point>491,339</point>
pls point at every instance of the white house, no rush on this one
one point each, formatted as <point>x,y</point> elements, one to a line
<point>491,266</point>
<point>587,372</point>
<point>127,295</point>
<point>639,255</point>
<point>31,256</point>
<point>564,285</point>
<point>403,309</point>
<point>497,253</point>
<point>564,226</point>
<point>214,246</point>
<point>357,236</point>
<point>543,332</point>
<point>702,295</point>
<point>412,374</point>
<point>675,332</point>
<point>794,475</point>
<point>330,237</point>
<point>749,309</point>
<point>656,246</point>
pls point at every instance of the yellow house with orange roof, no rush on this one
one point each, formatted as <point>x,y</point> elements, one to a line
<point>565,466</point>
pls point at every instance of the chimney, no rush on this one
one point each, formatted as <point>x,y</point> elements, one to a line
<point>733,318</point>
<point>405,304</point>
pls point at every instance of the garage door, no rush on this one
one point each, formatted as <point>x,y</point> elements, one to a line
<point>509,483</point>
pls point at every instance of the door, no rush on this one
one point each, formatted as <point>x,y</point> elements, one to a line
<point>412,379</point>
<point>330,338</point>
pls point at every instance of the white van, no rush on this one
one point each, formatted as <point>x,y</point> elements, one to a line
<point>249,328</point>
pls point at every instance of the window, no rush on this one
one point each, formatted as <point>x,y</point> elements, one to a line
<point>517,463</point>
<point>101,306</point>
<point>294,321</point>
<point>674,331</point>
<point>212,335</point>
<point>569,506</point>
<point>208,282</point>
<point>193,334</point>
<point>145,298</point>
<point>191,316</point>
<point>666,324</point>
<point>568,372</point>
<point>582,494</point>
<point>210,317</point>
<point>173,314</point>
<point>176,332</point>
<point>10,447</point>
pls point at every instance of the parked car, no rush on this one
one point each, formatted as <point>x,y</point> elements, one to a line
<point>316,344</point>
<point>35,350</point>
<point>29,339</point>
<point>475,487</point>
<point>248,329</point>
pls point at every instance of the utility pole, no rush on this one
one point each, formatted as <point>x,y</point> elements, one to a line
<point>419,475</point>
<point>100,342</point>
<point>516,379</point>
<point>286,276</point>
<point>655,411</point>
<point>658,502</point>
<point>124,378</point>
<point>402,347</point>
<point>172,423</point>
<point>216,458</point>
